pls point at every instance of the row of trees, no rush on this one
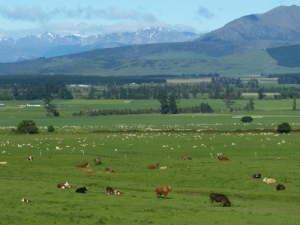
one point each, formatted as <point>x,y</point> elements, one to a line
<point>218,88</point>
<point>56,90</point>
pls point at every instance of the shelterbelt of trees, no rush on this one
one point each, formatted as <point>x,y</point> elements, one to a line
<point>63,87</point>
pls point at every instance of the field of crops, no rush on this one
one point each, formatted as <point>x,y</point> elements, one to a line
<point>128,144</point>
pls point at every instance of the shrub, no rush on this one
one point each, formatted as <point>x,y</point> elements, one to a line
<point>27,127</point>
<point>50,128</point>
<point>247,119</point>
<point>284,128</point>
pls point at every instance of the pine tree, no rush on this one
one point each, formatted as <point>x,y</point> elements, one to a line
<point>294,104</point>
<point>172,103</point>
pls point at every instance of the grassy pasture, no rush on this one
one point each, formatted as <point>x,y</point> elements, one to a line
<point>269,112</point>
<point>130,152</point>
<point>253,201</point>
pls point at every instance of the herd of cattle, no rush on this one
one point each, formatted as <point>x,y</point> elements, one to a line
<point>160,190</point>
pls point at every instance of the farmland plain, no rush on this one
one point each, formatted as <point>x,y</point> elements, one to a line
<point>128,144</point>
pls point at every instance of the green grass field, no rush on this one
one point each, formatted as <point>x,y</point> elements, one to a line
<point>253,201</point>
<point>147,140</point>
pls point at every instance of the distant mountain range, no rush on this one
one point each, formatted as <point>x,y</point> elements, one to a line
<point>51,45</point>
<point>238,47</point>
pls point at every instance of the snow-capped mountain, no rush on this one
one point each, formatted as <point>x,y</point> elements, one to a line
<point>51,44</point>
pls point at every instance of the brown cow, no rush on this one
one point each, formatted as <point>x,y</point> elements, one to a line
<point>221,158</point>
<point>82,165</point>
<point>107,170</point>
<point>186,158</point>
<point>116,192</point>
<point>163,190</point>
<point>97,161</point>
<point>219,198</point>
<point>287,181</point>
<point>87,171</point>
<point>153,166</point>
<point>63,185</point>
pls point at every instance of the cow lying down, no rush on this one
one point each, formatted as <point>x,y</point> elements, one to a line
<point>219,198</point>
<point>81,190</point>
<point>110,190</point>
<point>269,180</point>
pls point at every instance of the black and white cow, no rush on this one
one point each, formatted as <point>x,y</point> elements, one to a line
<point>256,176</point>
<point>279,187</point>
<point>82,190</point>
<point>109,190</point>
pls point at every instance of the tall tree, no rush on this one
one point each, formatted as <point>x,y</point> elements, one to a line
<point>294,104</point>
<point>172,103</point>
<point>50,108</point>
<point>164,102</point>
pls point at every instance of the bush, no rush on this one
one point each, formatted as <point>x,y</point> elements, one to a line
<point>284,128</point>
<point>27,127</point>
<point>247,119</point>
<point>50,128</point>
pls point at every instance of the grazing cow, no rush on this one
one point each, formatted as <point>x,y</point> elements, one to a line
<point>30,158</point>
<point>82,165</point>
<point>153,166</point>
<point>219,198</point>
<point>287,181</point>
<point>87,171</point>
<point>110,170</point>
<point>269,180</point>
<point>256,176</point>
<point>25,200</point>
<point>163,190</point>
<point>109,190</point>
<point>97,161</point>
<point>279,187</point>
<point>221,158</point>
<point>81,190</point>
<point>63,185</point>
<point>186,158</point>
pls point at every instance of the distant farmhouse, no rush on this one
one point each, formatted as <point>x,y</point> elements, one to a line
<point>33,105</point>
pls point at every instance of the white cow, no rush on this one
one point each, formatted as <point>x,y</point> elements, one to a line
<point>269,180</point>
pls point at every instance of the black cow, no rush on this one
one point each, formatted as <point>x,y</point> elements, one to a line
<point>279,187</point>
<point>82,190</point>
<point>109,190</point>
<point>97,161</point>
<point>256,176</point>
<point>219,198</point>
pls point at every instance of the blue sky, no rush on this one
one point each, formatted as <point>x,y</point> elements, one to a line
<point>88,17</point>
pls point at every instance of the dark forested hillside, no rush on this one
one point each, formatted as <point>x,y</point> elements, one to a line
<point>288,56</point>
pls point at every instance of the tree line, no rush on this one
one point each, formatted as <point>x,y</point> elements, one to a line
<point>218,88</point>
